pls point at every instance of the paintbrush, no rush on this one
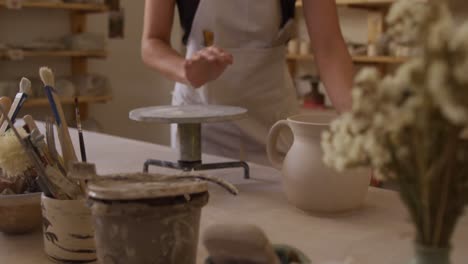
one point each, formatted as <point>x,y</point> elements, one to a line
<point>50,135</point>
<point>68,150</point>
<point>80,130</point>
<point>5,103</point>
<point>66,187</point>
<point>29,120</point>
<point>51,181</point>
<point>38,141</point>
<point>208,38</point>
<point>20,98</point>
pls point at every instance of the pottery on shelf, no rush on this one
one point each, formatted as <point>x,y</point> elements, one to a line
<point>308,183</point>
<point>20,213</point>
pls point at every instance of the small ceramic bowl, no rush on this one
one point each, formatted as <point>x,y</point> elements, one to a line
<point>20,213</point>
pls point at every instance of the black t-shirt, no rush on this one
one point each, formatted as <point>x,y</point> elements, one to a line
<point>188,8</point>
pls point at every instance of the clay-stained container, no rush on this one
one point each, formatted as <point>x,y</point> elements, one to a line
<point>147,222</point>
<point>68,231</point>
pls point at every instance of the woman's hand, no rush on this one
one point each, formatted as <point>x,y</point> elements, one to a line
<point>157,52</point>
<point>206,65</point>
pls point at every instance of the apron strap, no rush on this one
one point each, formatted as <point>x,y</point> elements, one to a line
<point>188,9</point>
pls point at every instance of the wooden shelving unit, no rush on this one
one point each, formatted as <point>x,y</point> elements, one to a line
<point>379,60</point>
<point>356,59</point>
<point>365,2</point>
<point>377,10</point>
<point>59,53</point>
<point>68,101</point>
<point>360,3</point>
<point>78,59</point>
<point>81,7</point>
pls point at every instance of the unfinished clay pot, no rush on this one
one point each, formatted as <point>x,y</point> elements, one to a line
<point>147,222</point>
<point>68,231</point>
<point>20,213</point>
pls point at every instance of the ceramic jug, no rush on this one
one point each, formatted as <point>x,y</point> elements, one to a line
<point>308,183</point>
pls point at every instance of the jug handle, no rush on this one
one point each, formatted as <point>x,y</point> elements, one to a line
<point>276,159</point>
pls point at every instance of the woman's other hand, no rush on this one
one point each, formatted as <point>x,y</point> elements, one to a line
<point>206,65</point>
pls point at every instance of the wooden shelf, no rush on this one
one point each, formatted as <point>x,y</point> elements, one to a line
<point>60,53</point>
<point>359,3</point>
<point>78,59</point>
<point>357,59</point>
<point>64,6</point>
<point>379,60</point>
<point>69,101</point>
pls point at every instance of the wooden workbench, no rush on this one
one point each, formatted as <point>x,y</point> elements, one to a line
<point>379,233</point>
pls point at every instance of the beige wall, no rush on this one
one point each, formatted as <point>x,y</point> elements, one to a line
<point>134,85</point>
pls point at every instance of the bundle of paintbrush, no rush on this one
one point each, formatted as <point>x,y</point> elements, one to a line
<point>26,149</point>
<point>29,151</point>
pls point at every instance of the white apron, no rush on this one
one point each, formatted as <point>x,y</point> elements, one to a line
<point>258,80</point>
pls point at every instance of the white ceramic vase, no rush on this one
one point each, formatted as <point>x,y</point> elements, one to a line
<point>68,231</point>
<point>308,183</point>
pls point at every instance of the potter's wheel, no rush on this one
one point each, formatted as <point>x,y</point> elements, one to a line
<point>189,119</point>
<point>187,114</point>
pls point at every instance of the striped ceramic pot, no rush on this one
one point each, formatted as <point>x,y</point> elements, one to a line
<point>68,231</point>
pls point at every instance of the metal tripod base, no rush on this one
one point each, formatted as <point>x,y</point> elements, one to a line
<point>190,154</point>
<point>197,166</point>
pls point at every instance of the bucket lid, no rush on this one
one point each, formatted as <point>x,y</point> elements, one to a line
<point>142,186</point>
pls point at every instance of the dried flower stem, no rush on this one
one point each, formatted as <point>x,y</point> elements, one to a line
<point>449,160</point>
<point>420,157</point>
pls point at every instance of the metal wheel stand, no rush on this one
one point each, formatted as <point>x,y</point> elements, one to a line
<point>190,154</point>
